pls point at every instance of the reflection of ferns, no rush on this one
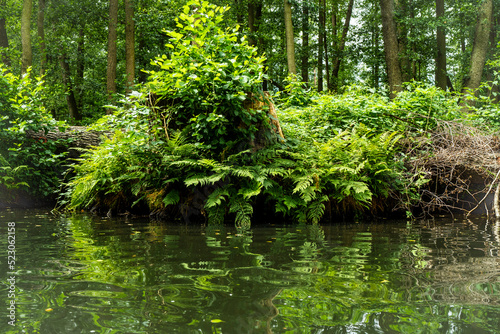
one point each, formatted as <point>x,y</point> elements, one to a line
<point>243,210</point>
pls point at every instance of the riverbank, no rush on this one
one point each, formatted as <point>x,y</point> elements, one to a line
<point>342,158</point>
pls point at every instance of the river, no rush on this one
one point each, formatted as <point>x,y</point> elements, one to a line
<point>85,274</point>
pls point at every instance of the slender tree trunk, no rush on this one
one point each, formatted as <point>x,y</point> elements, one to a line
<point>325,45</point>
<point>305,42</point>
<point>41,36</point>
<point>495,88</point>
<point>239,11</point>
<point>375,34</point>
<point>479,49</point>
<point>290,42</point>
<point>251,23</point>
<point>402,38</point>
<point>27,56</point>
<point>257,25</point>
<point>112,52</point>
<point>70,95</point>
<point>129,45</point>
<point>341,47</point>
<point>80,63</point>
<point>258,21</point>
<point>391,47</point>
<point>441,47</point>
<point>142,62</point>
<point>327,63</point>
<point>321,42</point>
<point>4,40</point>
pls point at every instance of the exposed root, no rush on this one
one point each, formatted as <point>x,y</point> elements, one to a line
<point>460,163</point>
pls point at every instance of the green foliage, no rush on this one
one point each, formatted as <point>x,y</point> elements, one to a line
<point>185,152</point>
<point>296,94</point>
<point>299,180</point>
<point>413,111</point>
<point>26,158</point>
<point>202,82</point>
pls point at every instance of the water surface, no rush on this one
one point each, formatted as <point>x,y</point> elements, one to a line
<point>85,274</point>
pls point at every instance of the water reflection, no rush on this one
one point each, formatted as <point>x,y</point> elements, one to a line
<point>87,275</point>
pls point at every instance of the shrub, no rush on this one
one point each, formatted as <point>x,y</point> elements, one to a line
<point>204,80</point>
<point>27,161</point>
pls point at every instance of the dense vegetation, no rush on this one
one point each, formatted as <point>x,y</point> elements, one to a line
<point>198,138</point>
<point>30,163</point>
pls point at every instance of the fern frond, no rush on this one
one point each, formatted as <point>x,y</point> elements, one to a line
<point>202,180</point>
<point>216,198</point>
<point>171,198</point>
<point>275,171</point>
<point>216,215</point>
<point>303,183</point>
<point>309,194</point>
<point>244,172</point>
<point>243,211</point>
<point>254,190</point>
<point>183,163</point>
<point>287,203</point>
<point>316,210</point>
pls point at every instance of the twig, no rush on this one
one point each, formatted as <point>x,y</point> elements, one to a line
<point>487,193</point>
<point>495,202</point>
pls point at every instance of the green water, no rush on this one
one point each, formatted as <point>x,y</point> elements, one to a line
<point>89,275</point>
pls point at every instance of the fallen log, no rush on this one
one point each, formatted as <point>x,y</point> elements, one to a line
<point>79,135</point>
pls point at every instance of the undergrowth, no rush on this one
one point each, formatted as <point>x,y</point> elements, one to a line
<point>27,160</point>
<point>184,148</point>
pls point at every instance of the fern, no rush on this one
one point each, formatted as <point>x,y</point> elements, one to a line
<point>171,198</point>
<point>244,172</point>
<point>308,194</point>
<point>254,189</point>
<point>302,183</point>
<point>202,180</point>
<point>316,210</point>
<point>243,211</point>
<point>216,215</point>
<point>216,198</point>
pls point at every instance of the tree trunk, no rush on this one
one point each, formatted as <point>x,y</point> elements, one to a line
<point>4,40</point>
<point>257,25</point>
<point>341,46</point>
<point>290,43</point>
<point>495,88</point>
<point>70,94</point>
<point>441,47</point>
<point>258,21</point>
<point>402,38</point>
<point>129,45</point>
<point>251,23</point>
<point>479,49</point>
<point>375,37</point>
<point>27,56</point>
<point>327,63</point>
<point>112,52</point>
<point>391,47</point>
<point>80,63</point>
<point>239,12</point>
<point>321,43</point>
<point>41,36</point>
<point>305,43</point>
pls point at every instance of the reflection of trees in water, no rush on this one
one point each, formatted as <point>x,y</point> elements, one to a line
<point>272,278</point>
<point>250,314</point>
<point>455,262</point>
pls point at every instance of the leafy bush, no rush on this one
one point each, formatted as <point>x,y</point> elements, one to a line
<point>203,82</point>
<point>27,161</point>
